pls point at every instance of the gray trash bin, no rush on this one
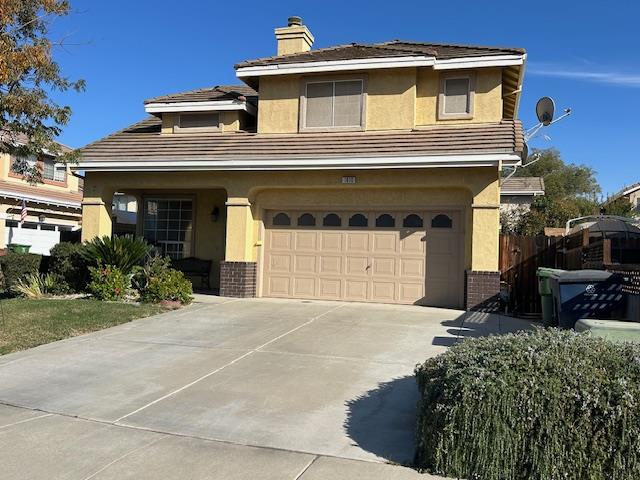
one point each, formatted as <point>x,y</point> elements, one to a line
<point>585,294</point>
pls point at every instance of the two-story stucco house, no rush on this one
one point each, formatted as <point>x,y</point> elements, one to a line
<point>357,172</point>
<point>53,206</point>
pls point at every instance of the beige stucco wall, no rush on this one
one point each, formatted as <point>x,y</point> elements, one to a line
<point>475,191</point>
<point>278,104</point>
<point>396,99</point>
<point>230,121</point>
<point>487,99</point>
<point>5,164</point>
<point>391,97</point>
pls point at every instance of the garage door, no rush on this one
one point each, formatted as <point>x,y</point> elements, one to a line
<point>392,257</point>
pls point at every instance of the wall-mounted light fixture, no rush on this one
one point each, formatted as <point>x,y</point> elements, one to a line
<point>41,218</point>
<point>215,214</point>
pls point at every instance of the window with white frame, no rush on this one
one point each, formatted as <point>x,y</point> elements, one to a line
<point>456,97</point>
<point>54,171</point>
<point>19,164</point>
<point>168,224</point>
<point>333,104</point>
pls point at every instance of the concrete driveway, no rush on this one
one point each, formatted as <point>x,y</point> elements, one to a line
<point>229,389</point>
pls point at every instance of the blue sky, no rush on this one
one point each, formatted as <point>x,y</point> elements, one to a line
<point>583,54</point>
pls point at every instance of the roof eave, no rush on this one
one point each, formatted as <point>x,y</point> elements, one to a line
<point>288,68</point>
<point>306,163</point>
<point>156,108</point>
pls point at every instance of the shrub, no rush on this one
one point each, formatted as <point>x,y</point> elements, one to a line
<point>68,264</point>
<point>543,405</point>
<point>157,282</point>
<point>36,285</point>
<point>108,283</point>
<point>124,253</point>
<point>17,266</point>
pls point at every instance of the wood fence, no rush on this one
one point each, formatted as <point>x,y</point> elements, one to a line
<point>521,256</point>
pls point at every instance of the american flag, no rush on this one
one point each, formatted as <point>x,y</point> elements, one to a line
<point>23,212</point>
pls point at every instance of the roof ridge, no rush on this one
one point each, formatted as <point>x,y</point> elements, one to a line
<point>309,52</point>
<point>459,45</point>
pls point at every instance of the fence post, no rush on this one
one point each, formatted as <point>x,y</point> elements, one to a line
<point>606,251</point>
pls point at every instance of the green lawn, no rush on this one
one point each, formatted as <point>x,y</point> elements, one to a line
<point>28,323</point>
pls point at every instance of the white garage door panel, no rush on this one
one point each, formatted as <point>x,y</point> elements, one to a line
<point>372,264</point>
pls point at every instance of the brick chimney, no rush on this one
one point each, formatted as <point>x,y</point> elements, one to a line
<point>294,38</point>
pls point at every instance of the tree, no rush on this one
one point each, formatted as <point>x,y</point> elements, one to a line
<point>549,212</point>
<point>30,120</point>
<point>561,180</point>
<point>620,206</point>
<point>571,191</point>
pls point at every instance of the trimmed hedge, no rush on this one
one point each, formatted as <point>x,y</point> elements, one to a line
<point>548,404</point>
<point>17,266</point>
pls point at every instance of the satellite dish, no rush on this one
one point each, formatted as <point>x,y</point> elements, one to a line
<point>544,110</point>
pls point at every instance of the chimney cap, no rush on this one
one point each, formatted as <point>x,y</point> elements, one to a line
<point>294,21</point>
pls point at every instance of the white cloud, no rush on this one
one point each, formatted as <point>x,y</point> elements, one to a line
<point>605,77</point>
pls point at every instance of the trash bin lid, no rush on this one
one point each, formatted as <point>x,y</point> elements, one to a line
<point>547,272</point>
<point>579,276</point>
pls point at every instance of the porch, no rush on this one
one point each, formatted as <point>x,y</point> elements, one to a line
<point>422,236</point>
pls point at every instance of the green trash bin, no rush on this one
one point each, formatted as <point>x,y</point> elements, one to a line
<point>546,295</point>
<point>18,248</point>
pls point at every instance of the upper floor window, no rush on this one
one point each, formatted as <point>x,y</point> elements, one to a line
<point>20,164</point>
<point>53,171</point>
<point>456,97</point>
<point>197,122</point>
<point>335,104</point>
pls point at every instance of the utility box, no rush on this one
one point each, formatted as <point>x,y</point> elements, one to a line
<point>613,330</point>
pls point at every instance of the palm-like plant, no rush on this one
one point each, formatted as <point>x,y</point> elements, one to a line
<point>123,253</point>
<point>35,285</point>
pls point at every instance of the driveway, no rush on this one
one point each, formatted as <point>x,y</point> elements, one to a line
<point>229,389</point>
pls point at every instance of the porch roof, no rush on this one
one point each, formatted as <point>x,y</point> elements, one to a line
<point>41,195</point>
<point>143,142</point>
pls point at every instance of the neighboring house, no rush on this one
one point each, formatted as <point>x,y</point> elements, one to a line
<point>53,206</point>
<point>516,196</point>
<point>632,194</point>
<point>518,193</point>
<point>125,214</point>
<point>357,172</point>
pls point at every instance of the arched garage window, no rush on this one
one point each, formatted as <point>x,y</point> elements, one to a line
<point>306,220</point>
<point>441,221</point>
<point>412,221</point>
<point>358,220</point>
<point>281,219</point>
<point>385,221</point>
<point>332,220</point>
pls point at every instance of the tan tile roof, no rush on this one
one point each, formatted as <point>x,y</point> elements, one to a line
<point>219,92</point>
<point>19,190</point>
<point>522,184</point>
<point>20,138</point>
<point>395,48</point>
<point>143,141</point>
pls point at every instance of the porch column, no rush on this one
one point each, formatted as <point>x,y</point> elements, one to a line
<point>482,280</point>
<point>96,208</point>
<point>238,271</point>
